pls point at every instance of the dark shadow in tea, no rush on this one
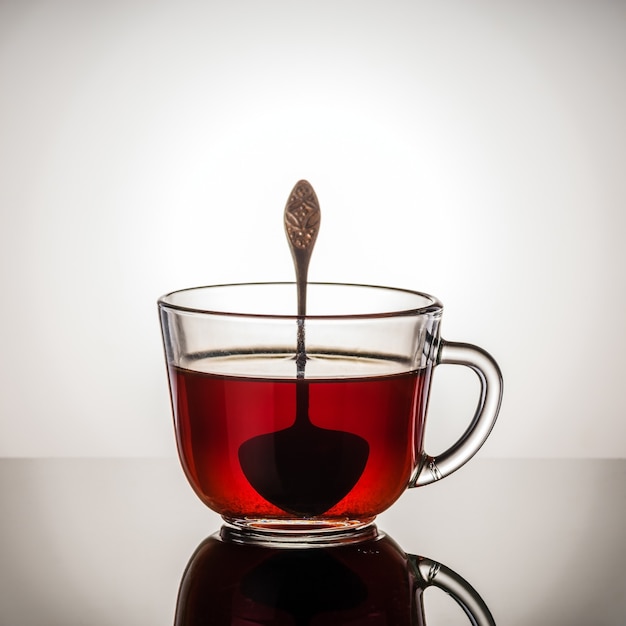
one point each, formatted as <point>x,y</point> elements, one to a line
<point>304,470</point>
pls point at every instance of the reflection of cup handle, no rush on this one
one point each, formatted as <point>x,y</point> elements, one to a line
<point>433,574</point>
<point>434,468</point>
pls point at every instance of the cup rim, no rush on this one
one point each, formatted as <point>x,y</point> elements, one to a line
<point>434,306</point>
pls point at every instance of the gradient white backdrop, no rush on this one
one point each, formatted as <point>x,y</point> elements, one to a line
<point>474,150</point>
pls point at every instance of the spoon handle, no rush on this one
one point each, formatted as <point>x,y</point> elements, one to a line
<point>302,223</point>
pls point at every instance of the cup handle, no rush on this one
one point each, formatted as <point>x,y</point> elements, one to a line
<point>433,574</point>
<point>433,468</point>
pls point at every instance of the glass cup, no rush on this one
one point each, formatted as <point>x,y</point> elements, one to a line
<point>304,427</point>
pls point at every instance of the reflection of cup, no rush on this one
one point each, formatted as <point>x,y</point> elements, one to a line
<point>310,426</point>
<point>368,582</point>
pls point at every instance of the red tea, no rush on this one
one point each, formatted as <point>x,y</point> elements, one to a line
<point>218,417</point>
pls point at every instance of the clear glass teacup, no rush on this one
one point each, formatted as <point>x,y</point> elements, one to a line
<point>299,446</point>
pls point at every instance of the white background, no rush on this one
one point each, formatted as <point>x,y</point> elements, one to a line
<point>473,150</point>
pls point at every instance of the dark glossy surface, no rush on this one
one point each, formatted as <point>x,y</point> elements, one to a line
<point>107,541</point>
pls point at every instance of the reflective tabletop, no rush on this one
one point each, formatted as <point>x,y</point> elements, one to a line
<point>110,541</point>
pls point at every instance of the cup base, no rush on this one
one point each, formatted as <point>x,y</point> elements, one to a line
<point>307,533</point>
